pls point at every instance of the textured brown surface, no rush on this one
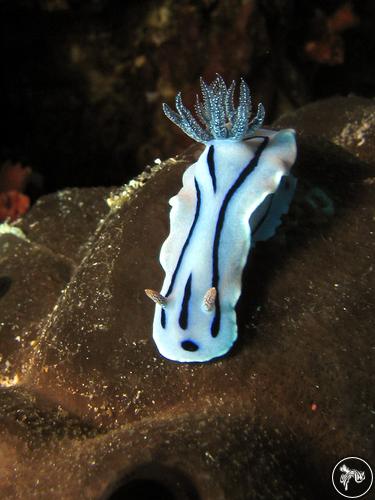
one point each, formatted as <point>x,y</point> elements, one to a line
<point>64,222</point>
<point>94,405</point>
<point>348,122</point>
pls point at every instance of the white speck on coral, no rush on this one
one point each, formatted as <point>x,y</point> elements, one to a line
<point>355,133</point>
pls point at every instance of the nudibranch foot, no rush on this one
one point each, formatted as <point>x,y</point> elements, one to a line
<point>232,197</point>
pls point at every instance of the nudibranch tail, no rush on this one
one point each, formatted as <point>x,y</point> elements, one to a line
<point>231,198</point>
<point>218,115</point>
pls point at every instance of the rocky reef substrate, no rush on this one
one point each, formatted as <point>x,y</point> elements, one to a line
<point>88,407</point>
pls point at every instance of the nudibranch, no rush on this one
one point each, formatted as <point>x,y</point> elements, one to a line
<point>232,197</point>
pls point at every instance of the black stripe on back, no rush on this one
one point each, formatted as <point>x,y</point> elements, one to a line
<point>184,314</point>
<point>215,326</point>
<point>211,166</point>
<point>197,210</point>
<point>162,318</point>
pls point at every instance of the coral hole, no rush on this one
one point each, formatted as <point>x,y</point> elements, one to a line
<point>154,482</point>
<point>143,489</point>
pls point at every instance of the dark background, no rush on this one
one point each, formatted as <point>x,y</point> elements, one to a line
<point>83,81</point>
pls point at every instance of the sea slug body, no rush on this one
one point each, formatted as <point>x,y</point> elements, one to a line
<point>232,197</point>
